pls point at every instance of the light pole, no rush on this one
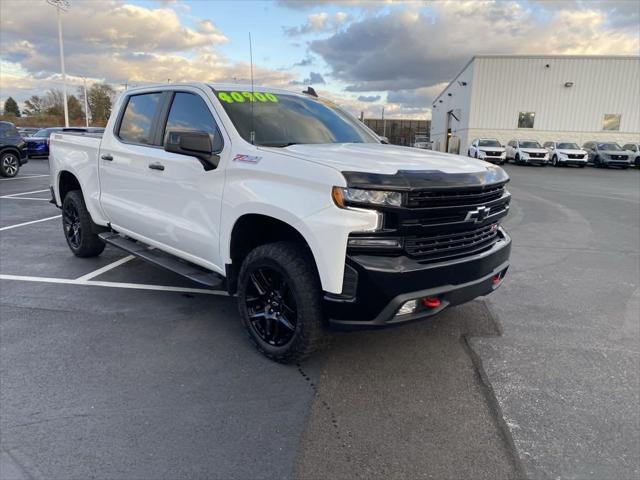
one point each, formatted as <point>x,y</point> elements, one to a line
<point>62,5</point>
<point>86,103</point>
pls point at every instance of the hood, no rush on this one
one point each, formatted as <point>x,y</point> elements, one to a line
<point>491,149</point>
<point>383,159</point>
<point>534,150</point>
<point>566,151</point>
<point>614,152</point>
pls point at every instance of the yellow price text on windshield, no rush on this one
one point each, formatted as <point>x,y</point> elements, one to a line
<point>244,96</point>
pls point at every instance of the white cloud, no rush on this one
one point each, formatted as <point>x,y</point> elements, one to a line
<point>116,42</point>
<point>319,23</point>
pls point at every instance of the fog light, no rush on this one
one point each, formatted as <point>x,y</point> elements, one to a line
<point>408,307</point>
<point>372,242</point>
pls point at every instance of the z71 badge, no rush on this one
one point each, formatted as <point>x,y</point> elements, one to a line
<point>246,158</point>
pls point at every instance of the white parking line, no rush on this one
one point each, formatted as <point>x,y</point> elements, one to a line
<point>29,223</point>
<point>135,286</point>
<point>22,177</point>
<point>106,268</point>
<point>24,193</point>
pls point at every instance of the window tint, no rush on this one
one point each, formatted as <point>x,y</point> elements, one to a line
<point>611,121</point>
<point>489,143</point>
<point>526,119</point>
<point>280,120</point>
<point>8,130</point>
<point>190,112</point>
<point>138,117</point>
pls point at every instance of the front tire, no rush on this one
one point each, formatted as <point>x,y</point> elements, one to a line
<point>9,165</point>
<point>279,297</point>
<point>78,227</point>
<point>554,161</point>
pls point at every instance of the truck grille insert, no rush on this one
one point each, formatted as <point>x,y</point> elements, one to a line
<point>457,197</point>
<point>441,247</point>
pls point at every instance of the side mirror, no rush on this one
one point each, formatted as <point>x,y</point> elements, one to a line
<point>384,140</point>
<point>193,143</point>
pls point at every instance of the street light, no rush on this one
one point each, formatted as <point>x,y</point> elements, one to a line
<point>62,5</point>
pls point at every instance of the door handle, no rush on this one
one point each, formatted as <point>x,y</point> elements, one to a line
<point>107,157</point>
<point>156,166</point>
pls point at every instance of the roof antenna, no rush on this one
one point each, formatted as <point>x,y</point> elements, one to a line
<point>253,132</point>
<point>310,91</point>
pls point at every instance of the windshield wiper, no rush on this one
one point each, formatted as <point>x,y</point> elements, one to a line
<point>278,145</point>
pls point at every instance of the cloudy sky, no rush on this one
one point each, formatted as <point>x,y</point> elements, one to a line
<point>366,54</point>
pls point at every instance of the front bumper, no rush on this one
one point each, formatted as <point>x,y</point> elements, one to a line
<point>616,163</point>
<point>384,284</point>
<point>572,161</point>
<point>535,161</point>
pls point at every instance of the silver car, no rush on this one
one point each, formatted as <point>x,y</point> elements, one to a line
<point>634,148</point>
<point>607,154</point>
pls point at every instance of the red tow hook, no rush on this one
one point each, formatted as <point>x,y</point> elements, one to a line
<point>431,302</point>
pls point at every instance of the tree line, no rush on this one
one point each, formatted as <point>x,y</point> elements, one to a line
<point>48,109</point>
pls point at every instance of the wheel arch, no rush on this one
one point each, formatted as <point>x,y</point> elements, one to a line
<point>10,149</point>
<point>67,182</point>
<point>252,230</point>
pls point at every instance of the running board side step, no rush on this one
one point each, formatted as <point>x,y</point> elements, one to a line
<point>182,267</point>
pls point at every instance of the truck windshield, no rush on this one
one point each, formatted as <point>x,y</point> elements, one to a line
<point>489,143</point>
<point>529,144</point>
<point>568,146</point>
<point>609,146</point>
<point>280,120</point>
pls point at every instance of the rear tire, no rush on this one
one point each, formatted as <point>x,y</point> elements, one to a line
<point>78,227</point>
<point>9,165</point>
<point>279,297</point>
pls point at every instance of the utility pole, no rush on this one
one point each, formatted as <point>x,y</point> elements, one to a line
<point>62,5</point>
<point>86,103</point>
<point>384,124</point>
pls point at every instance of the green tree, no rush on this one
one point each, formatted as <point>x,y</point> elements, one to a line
<point>100,97</point>
<point>11,107</point>
<point>34,106</point>
<point>76,114</point>
<point>54,103</point>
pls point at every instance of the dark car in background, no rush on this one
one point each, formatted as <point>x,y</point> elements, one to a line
<point>13,150</point>
<point>38,144</point>
<point>27,131</point>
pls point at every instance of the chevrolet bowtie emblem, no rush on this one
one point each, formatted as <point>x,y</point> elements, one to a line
<point>478,215</point>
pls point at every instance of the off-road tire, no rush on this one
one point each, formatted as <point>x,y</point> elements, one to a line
<point>89,244</point>
<point>297,266</point>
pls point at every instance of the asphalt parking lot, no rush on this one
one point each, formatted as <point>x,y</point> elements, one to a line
<point>113,369</point>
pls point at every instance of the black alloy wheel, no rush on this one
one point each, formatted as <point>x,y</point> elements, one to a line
<point>271,306</point>
<point>72,226</point>
<point>78,228</point>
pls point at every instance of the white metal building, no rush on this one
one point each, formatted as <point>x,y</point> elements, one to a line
<point>539,97</point>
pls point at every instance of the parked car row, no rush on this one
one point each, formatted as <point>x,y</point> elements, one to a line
<point>557,153</point>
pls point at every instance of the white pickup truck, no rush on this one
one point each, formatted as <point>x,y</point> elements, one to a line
<point>287,202</point>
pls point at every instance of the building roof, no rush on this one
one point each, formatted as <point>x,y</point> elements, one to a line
<point>560,57</point>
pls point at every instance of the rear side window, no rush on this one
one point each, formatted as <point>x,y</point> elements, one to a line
<point>137,120</point>
<point>8,130</point>
<point>189,112</point>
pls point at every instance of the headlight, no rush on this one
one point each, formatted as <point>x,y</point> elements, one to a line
<point>524,155</point>
<point>343,196</point>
